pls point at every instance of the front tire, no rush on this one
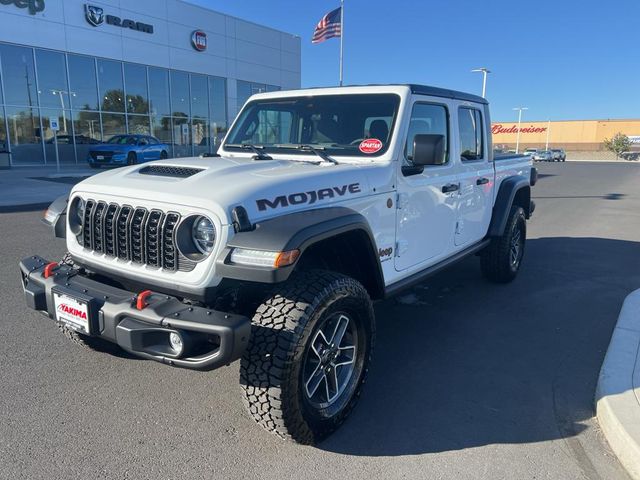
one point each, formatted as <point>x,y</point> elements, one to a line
<point>501,260</point>
<point>308,356</point>
<point>132,159</point>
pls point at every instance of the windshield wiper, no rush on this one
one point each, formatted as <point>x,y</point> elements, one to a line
<point>319,151</point>
<point>254,148</point>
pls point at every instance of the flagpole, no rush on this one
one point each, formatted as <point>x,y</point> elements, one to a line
<point>341,41</point>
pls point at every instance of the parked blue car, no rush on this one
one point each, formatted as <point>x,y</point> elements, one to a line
<point>122,150</point>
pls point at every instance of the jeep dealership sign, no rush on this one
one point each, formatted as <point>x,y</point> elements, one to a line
<point>34,6</point>
<point>96,17</point>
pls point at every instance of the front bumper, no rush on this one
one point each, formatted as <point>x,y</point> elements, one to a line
<point>211,338</point>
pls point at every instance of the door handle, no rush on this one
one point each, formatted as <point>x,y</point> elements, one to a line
<point>452,187</point>
<point>482,181</point>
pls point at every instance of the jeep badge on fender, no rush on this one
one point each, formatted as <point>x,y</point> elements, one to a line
<point>320,203</point>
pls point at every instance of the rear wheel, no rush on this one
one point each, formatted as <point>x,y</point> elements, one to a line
<point>131,159</point>
<point>501,260</point>
<point>164,155</point>
<point>308,356</point>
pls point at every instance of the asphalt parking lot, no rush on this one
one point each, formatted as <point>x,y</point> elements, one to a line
<point>470,380</point>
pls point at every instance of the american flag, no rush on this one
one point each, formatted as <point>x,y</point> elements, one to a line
<point>329,27</point>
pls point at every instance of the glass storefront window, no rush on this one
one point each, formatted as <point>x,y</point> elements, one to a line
<point>179,94</point>
<point>161,129</point>
<point>86,126</point>
<point>181,137</point>
<point>135,81</point>
<point>19,76</point>
<point>4,146</point>
<point>66,149</point>
<point>200,136</point>
<point>111,86</point>
<point>199,96</point>
<point>139,124</point>
<point>52,80</point>
<point>159,91</point>
<point>217,111</point>
<point>112,124</point>
<point>84,85</point>
<point>25,136</point>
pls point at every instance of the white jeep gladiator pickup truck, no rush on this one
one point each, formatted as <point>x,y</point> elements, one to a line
<point>320,202</point>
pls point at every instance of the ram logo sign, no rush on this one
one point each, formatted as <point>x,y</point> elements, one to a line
<point>307,198</point>
<point>94,15</point>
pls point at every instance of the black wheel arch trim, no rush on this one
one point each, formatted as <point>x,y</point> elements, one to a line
<point>299,230</point>
<point>505,198</point>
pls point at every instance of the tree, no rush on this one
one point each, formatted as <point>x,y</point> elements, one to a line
<point>619,144</point>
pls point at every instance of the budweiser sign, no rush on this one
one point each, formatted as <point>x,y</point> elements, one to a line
<point>499,128</point>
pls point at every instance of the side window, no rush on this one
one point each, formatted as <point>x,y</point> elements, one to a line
<point>152,141</point>
<point>471,134</point>
<point>428,119</point>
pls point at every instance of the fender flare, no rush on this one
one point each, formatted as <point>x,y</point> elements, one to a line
<point>56,216</point>
<point>299,230</point>
<point>509,188</point>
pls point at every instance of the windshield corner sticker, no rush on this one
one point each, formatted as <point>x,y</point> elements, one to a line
<point>370,145</point>
<point>308,198</point>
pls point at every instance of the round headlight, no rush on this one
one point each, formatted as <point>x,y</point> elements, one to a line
<point>76,215</point>
<point>79,211</point>
<point>204,235</point>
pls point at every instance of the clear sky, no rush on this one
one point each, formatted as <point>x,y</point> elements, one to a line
<point>563,59</point>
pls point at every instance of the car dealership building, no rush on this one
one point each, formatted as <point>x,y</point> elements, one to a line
<point>162,67</point>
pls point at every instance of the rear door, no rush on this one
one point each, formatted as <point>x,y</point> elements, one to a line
<point>476,177</point>
<point>427,201</point>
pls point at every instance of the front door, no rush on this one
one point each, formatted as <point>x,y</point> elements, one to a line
<point>476,178</point>
<point>427,201</point>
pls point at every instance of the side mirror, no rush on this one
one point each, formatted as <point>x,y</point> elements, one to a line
<point>428,149</point>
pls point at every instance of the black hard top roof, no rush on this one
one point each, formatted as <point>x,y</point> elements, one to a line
<point>446,93</point>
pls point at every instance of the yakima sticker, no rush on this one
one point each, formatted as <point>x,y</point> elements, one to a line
<point>72,312</point>
<point>370,145</point>
<point>308,198</point>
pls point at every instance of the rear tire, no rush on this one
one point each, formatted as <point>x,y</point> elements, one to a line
<point>501,260</point>
<point>164,155</point>
<point>296,381</point>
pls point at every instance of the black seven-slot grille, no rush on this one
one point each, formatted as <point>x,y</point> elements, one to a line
<point>142,236</point>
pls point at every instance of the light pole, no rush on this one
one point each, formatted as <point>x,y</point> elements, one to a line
<point>519,109</point>
<point>60,93</point>
<point>548,132</point>
<point>485,72</point>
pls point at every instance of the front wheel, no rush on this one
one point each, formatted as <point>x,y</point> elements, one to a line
<point>501,260</point>
<point>308,356</point>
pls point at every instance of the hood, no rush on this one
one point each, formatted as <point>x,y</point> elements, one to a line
<point>264,188</point>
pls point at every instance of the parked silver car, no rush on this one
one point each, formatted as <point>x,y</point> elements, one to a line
<point>543,156</point>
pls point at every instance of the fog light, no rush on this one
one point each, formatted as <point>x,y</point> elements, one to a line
<point>175,340</point>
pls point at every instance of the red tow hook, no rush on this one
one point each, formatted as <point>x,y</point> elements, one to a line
<point>48,270</point>
<point>141,302</point>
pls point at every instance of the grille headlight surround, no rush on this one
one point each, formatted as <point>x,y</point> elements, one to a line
<point>196,237</point>
<point>76,215</point>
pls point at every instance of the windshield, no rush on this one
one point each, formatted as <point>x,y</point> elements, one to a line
<point>122,140</point>
<point>349,125</point>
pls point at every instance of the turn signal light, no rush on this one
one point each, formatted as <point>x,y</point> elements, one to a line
<point>284,259</point>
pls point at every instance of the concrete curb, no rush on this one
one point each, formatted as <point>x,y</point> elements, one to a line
<point>618,391</point>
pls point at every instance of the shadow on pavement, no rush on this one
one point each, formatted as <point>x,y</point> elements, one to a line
<point>462,363</point>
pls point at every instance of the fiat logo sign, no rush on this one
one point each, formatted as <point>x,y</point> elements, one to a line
<point>199,40</point>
